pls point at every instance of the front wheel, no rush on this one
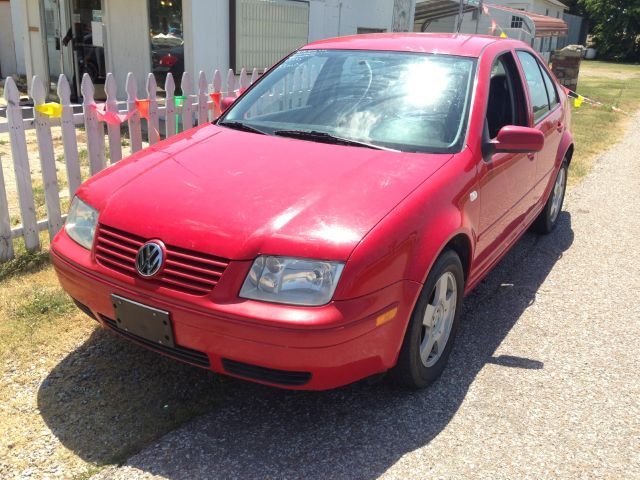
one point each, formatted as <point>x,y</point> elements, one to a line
<point>433,324</point>
<point>548,218</point>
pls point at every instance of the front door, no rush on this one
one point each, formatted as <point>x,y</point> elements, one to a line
<point>59,60</point>
<point>506,180</point>
<point>74,42</point>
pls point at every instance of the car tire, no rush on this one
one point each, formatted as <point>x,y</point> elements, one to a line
<point>548,218</point>
<point>433,325</point>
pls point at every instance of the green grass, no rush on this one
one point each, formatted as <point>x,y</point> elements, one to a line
<point>597,128</point>
<point>42,302</point>
<point>25,261</point>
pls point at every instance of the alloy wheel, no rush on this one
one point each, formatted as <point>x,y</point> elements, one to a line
<point>438,319</point>
<point>558,194</point>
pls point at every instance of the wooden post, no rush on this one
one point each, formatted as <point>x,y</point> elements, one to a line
<point>203,99</point>
<point>21,165</point>
<point>47,159</point>
<point>170,108</point>
<point>135,133</point>
<point>216,82</point>
<point>296,88</point>
<point>244,80</point>
<point>153,125</point>
<point>231,83</point>
<point>6,242</point>
<point>187,104</point>
<point>115,147</point>
<point>93,127</point>
<point>69,141</point>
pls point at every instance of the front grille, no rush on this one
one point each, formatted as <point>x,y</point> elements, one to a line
<point>181,353</point>
<point>185,271</point>
<point>263,374</point>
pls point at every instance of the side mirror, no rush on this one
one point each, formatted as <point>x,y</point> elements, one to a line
<point>226,102</point>
<point>514,139</point>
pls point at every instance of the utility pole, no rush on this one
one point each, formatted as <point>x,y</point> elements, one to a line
<point>460,16</point>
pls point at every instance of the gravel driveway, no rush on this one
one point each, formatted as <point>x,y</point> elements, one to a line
<point>543,381</point>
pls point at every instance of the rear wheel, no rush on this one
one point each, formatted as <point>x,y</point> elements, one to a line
<point>548,218</point>
<point>433,324</point>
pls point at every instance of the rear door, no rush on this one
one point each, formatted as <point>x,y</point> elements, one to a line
<point>547,117</point>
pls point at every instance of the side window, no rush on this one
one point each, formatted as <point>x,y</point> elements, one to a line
<point>551,89</point>
<point>505,105</point>
<point>535,82</point>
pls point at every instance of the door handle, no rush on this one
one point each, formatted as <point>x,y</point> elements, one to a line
<point>559,127</point>
<point>531,155</point>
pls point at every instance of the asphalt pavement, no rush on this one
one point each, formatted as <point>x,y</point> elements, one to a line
<point>543,381</point>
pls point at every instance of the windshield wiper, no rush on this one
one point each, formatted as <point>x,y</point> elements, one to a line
<point>328,138</point>
<point>241,126</point>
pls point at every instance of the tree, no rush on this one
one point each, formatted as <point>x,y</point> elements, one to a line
<point>615,27</point>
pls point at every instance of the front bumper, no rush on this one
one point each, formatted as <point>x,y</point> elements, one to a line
<point>298,347</point>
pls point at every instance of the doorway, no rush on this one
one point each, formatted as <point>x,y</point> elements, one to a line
<point>74,42</point>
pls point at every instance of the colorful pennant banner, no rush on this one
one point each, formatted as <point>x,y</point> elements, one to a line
<point>578,100</point>
<point>52,110</point>
<point>112,118</point>
<point>143,108</point>
<point>216,97</point>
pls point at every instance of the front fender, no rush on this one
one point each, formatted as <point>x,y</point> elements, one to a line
<point>406,243</point>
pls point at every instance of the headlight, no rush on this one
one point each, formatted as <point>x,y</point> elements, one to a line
<point>81,223</point>
<point>295,281</point>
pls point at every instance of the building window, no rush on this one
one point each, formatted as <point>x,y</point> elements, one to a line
<point>167,44</point>
<point>516,22</point>
<point>547,12</point>
<point>262,32</point>
<point>558,14</point>
<point>370,30</point>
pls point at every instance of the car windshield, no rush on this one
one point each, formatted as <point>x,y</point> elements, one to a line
<point>412,102</point>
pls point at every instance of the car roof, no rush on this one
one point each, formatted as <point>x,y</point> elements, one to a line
<point>444,43</point>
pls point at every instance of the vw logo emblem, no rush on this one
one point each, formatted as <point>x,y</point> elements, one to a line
<point>150,259</point>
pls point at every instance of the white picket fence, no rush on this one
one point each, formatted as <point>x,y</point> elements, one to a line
<point>196,108</point>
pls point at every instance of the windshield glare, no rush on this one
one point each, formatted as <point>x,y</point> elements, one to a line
<point>405,101</point>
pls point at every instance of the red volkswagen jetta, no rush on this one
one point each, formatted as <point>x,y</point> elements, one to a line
<point>320,234</point>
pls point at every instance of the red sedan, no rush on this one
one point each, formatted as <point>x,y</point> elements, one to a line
<point>327,227</point>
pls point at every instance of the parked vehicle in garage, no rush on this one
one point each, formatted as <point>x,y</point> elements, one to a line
<point>318,235</point>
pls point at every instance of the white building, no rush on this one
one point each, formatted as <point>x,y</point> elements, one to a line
<point>537,22</point>
<point>140,36</point>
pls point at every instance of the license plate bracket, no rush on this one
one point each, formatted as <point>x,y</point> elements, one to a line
<point>143,321</point>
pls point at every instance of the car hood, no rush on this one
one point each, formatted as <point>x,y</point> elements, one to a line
<point>236,194</point>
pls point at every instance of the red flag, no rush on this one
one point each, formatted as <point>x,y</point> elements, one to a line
<point>143,108</point>
<point>112,118</point>
<point>216,96</point>
<point>493,26</point>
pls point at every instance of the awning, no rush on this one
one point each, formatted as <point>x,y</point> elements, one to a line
<point>544,26</point>
<point>429,10</point>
